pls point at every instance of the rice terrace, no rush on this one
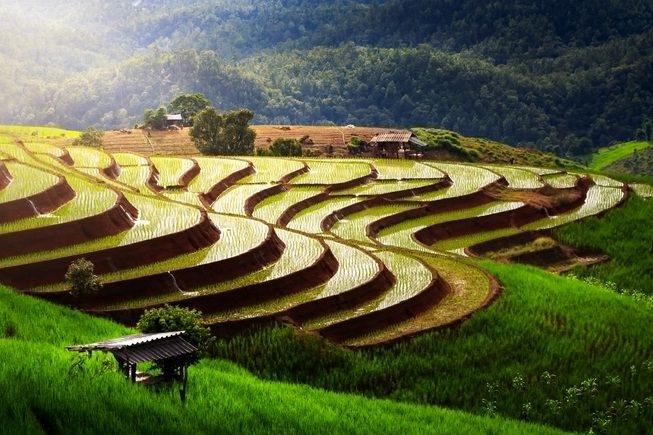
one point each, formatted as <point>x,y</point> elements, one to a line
<point>326,217</point>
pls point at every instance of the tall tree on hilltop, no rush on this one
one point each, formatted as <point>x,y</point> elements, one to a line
<point>223,134</point>
<point>188,105</point>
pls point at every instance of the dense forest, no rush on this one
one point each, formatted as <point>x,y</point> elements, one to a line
<point>563,76</point>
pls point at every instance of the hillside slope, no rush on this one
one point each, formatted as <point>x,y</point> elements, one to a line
<point>567,76</point>
<point>41,391</point>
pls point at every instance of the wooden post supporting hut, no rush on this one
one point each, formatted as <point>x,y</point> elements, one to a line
<point>167,349</point>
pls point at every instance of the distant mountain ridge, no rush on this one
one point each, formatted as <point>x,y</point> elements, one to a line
<point>562,76</point>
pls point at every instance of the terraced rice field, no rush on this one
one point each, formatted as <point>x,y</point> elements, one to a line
<point>561,180</point>
<point>271,169</point>
<point>171,170</point>
<point>309,220</point>
<point>321,172</point>
<point>90,199</point>
<point>325,280</point>
<point>212,171</point>
<point>233,199</point>
<point>271,209</point>
<point>518,178</point>
<point>381,187</point>
<point>643,190</point>
<point>411,275</point>
<point>27,182</point>
<point>354,227</point>
<point>85,157</point>
<point>400,235</point>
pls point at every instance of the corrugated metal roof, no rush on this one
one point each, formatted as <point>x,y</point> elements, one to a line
<point>417,142</point>
<point>126,341</point>
<point>174,117</point>
<point>156,351</point>
<point>142,347</point>
<point>402,137</point>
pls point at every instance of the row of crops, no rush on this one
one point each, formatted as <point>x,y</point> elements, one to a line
<point>328,243</point>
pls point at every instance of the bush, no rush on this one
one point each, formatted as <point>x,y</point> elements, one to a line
<point>228,133</point>
<point>92,137</point>
<point>172,318</point>
<point>286,147</point>
<point>81,278</point>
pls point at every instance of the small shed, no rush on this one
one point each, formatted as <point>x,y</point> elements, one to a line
<point>174,119</point>
<point>399,144</point>
<point>168,349</point>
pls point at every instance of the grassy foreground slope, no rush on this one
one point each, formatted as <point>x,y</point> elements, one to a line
<point>42,390</point>
<point>610,155</point>
<point>626,235</point>
<point>550,349</point>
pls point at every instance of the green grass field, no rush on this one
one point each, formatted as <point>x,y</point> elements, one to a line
<point>41,391</point>
<point>609,155</point>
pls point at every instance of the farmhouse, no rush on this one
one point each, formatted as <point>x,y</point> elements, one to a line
<point>174,120</point>
<point>400,144</point>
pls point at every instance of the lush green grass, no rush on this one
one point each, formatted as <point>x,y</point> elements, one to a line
<point>550,333</point>
<point>626,235</point>
<point>609,155</point>
<point>43,390</point>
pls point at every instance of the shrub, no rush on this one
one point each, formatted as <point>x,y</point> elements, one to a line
<point>286,147</point>
<point>92,137</point>
<point>81,278</point>
<point>172,318</point>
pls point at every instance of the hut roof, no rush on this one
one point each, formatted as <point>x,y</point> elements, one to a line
<point>142,347</point>
<point>174,117</point>
<point>401,137</point>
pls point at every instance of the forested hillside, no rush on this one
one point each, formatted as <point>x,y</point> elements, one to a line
<point>563,76</point>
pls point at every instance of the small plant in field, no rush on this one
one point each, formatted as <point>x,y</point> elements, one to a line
<point>518,382</point>
<point>92,137</point>
<point>81,278</point>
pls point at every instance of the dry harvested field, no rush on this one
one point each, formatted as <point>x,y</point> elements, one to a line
<point>179,143</point>
<point>362,252</point>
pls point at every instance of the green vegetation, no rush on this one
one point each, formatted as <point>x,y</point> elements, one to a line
<point>188,105</point>
<point>81,279</point>
<point>91,137</point>
<point>214,133</point>
<point>321,172</point>
<point>171,169</point>
<point>27,181</point>
<point>554,333</point>
<point>286,148</point>
<point>626,235</point>
<point>86,157</point>
<point>518,178</point>
<point>171,319</point>
<point>605,157</point>
<point>43,387</point>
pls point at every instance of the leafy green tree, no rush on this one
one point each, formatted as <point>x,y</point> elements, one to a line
<point>286,147</point>
<point>223,134</point>
<point>188,105</point>
<point>156,119</point>
<point>92,137</point>
<point>173,318</point>
<point>81,278</point>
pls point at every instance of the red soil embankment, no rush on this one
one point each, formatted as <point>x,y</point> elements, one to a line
<point>353,297</point>
<point>5,175</point>
<point>113,170</point>
<point>317,273</point>
<point>120,217</point>
<point>209,197</point>
<point>258,197</point>
<point>288,177</point>
<point>374,173</point>
<point>43,202</point>
<point>153,180</point>
<point>511,218</point>
<point>359,325</point>
<point>175,281</point>
<point>194,238</point>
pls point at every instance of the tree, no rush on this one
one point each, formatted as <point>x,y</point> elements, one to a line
<point>92,137</point>
<point>286,147</point>
<point>172,318</point>
<point>156,119</point>
<point>223,134</point>
<point>188,105</point>
<point>647,126</point>
<point>81,278</point>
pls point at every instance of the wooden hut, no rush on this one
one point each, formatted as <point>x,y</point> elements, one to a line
<point>167,349</point>
<point>399,144</point>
